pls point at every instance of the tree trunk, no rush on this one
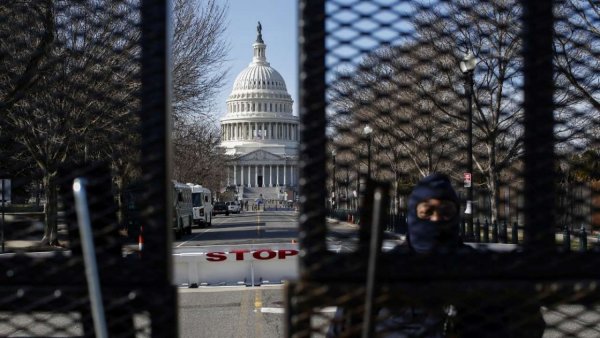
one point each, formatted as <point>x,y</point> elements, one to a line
<point>50,210</point>
<point>495,191</point>
<point>120,198</point>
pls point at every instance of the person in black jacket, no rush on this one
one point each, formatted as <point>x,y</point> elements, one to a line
<point>433,226</point>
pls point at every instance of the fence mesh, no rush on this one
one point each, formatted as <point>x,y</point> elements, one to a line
<point>82,95</point>
<point>501,96</point>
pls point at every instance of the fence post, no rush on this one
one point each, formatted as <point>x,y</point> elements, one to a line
<point>515,233</point>
<point>495,232</point>
<point>486,231</point>
<point>567,238</point>
<point>582,239</point>
<point>504,233</point>
<point>477,231</point>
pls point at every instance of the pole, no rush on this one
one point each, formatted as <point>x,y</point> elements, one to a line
<point>369,157</point>
<point>346,186</point>
<point>334,192</point>
<point>469,208</point>
<point>3,205</point>
<point>89,257</point>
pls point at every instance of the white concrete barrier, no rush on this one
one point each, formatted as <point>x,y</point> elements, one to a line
<point>249,264</point>
<point>255,264</point>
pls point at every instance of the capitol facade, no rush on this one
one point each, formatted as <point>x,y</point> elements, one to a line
<point>259,132</point>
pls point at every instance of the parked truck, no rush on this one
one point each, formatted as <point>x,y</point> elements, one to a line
<point>202,205</point>
<point>182,209</point>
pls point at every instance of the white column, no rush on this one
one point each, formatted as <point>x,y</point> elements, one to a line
<point>264,181</point>
<point>270,175</point>
<point>256,128</point>
<point>284,172</point>
<point>292,175</point>
<point>235,175</point>
<point>242,175</point>
<point>256,175</point>
<point>263,131</point>
<point>249,180</point>
<point>277,169</point>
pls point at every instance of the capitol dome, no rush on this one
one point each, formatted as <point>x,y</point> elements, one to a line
<point>259,132</point>
<point>259,88</point>
<point>259,76</point>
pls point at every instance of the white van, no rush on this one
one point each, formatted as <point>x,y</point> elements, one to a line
<point>201,205</point>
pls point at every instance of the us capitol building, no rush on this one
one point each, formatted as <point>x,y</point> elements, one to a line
<point>259,133</point>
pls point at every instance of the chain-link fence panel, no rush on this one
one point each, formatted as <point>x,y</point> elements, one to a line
<point>83,95</point>
<point>501,97</point>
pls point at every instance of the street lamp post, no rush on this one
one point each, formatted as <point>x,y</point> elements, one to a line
<point>368,131</point>
<point>334,191</point>
<point>467,67</point>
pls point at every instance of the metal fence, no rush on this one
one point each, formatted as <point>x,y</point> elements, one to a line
<point>84,93</point>
<point>384,101</point>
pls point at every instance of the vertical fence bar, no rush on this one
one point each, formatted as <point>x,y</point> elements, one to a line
<point>155,130</point>
<point>155,117</point>
<point>380,202</point>
<point>539,174</point>
<point>89,257</point>
<point>312,131</point>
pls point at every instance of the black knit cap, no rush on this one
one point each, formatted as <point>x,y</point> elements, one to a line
<point>433,186</point>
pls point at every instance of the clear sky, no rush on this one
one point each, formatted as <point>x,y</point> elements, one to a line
<point>279,30</point>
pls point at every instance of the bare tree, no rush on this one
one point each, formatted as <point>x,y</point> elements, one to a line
<point>390,91</point>
<point>490,30</point>
<point>577,34</point>
<point>82,95</point>
<point>26,35</point>
<point>197,157</point>
<point>199,53</point>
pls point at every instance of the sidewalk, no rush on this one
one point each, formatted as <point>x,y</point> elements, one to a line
<point>31,243</point>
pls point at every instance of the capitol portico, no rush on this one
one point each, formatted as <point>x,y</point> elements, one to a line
<point>259,132</point>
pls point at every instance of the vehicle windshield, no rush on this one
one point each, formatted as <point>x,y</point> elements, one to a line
<point>197,200</point>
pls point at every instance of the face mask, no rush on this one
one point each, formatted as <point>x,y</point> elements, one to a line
<point>425,236</point>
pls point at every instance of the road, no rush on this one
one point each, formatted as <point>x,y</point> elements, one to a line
<point>243,311</point>
<point>246,228</point>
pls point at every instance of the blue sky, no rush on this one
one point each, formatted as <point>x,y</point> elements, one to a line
<point>279,30</point>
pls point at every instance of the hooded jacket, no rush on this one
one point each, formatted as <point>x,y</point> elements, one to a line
<point>491,317</point>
